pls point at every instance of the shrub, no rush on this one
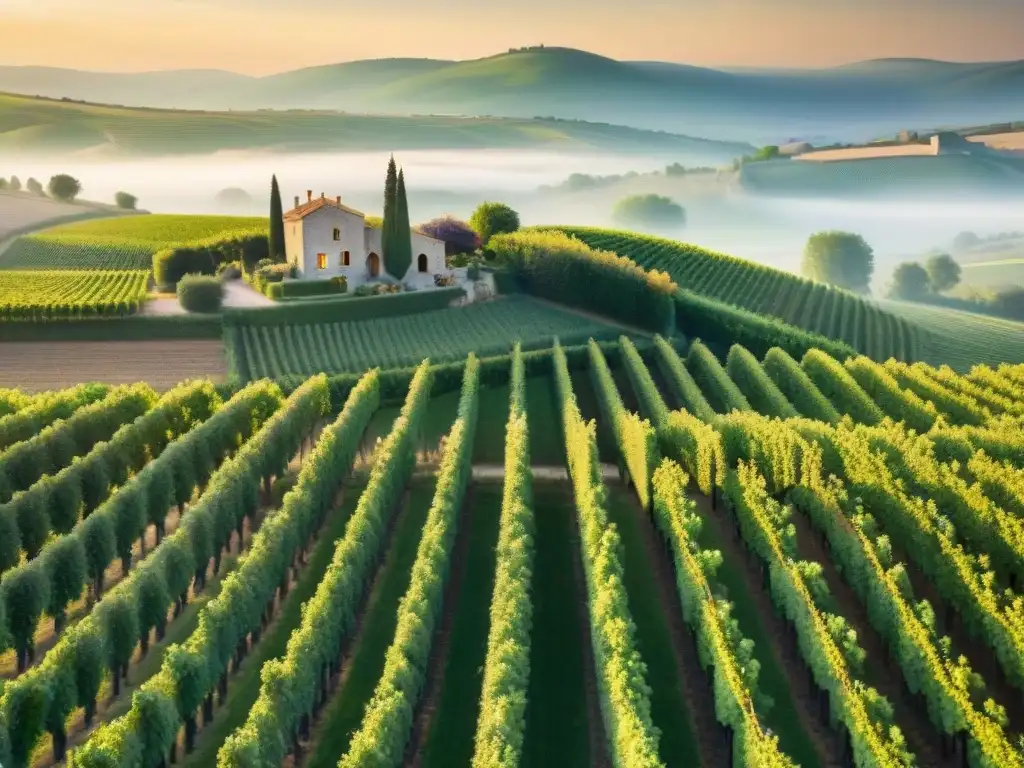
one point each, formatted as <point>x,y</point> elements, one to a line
<point>126,201</point>
<point>290,289</point>
<point>491,219</point>
<point>204,256</point>
<point>229,270</point>
<point>200,293</point>
<point>64,187</point>
<point>839,258</point>
<point>34,187</point>
<point>649,212</point>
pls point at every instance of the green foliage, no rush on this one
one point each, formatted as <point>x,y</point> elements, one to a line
<point>835,383</point>
<point>64,187</point>
<point>759,389</point>
<point>842,259</point>
<point>501,724</point>
<point>720,644</point>
<point>686,389</point>
<point>797,588</point>
<point>387,235</point>
<point>651,401</point>
<point>709,374</point>
<point>797,386</point>
<point>200,293</point>
<point>291,683</point>
<point>649,212</point>
<point>125,201</point>
<point>293,289</point>
<point>203,256</point>
<point>727,300</point>
<point>625,694</point>
<point>490,219</point>
<point>55,295</point>
<point>388,719</point>
<point>897,403</point>
<point>636,439</point>
<point>486,328</point>
<point>275,238</point>
<point>398,256</point>
<point>563,269</point>
<point>910,281</point>
<point>943,272</point>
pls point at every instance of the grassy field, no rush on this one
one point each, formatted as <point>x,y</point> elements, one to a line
<point>118,243</point>
<point>443,335</point>
<point>962,339</point>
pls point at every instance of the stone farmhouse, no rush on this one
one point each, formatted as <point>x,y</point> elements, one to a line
<point>324,238</point>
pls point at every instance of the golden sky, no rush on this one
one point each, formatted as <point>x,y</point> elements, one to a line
<point>265,36</point>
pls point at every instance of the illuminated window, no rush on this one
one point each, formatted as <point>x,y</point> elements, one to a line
<point>337,234</point>
<point>321,261</point>
<point>345,258</point>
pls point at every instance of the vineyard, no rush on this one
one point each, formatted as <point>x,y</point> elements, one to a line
<point>815,307</point>
<point>58,294</point>
<point>681,560</point>
<point>119,243</point>
<point>261,350</point>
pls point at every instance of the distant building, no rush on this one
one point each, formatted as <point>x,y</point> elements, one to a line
<point>324,238</point>
<point>906,137</point>
<point>795,148</point>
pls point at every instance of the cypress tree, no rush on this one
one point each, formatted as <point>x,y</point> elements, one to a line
<point>276,222</point>
<point>387,227</point>
<point>400,256</point>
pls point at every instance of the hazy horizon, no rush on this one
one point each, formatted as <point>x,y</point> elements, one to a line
<point>121,36</point>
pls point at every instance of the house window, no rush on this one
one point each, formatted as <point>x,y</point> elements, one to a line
<point>321,261</point>
<point>337,234</point>
<point>345,258</point>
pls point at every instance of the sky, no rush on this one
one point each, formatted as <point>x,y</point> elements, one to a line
<point>266,36</point>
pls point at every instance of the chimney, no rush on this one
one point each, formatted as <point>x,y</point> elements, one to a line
<point>322,196</point>
<point>339,200</point>
<point>309,195</point>
<point>296,201</point>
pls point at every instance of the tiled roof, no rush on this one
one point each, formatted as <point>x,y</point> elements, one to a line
<point>295,214</point>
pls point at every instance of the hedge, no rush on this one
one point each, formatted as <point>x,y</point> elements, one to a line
<point>295,289</point>
<point>204,256</point>
<point>200,293</point>
<point>343,309</point>
<point>560,268</point>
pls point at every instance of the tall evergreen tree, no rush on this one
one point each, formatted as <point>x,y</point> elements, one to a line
<point>276,222</point>
<point>400,256</point>
<point>388,225</point>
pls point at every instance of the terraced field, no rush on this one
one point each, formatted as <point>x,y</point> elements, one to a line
<point>706,585</point>
<point>962,339</point>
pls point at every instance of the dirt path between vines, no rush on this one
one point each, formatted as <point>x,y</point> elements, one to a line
<point>782,654</point>
<point>922,737</point>
<point>595,724</point>
<point>696,684</point>
<point>439,652</point>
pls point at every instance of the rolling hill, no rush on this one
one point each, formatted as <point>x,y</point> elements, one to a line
<point>852,102</point>
<point>41,125</point>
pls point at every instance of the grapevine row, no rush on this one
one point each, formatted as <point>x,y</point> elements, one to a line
<point>52,295</point>
<point>501,726</point>
<point>46,409</point>
<point>295,685</point>
<point>107,637</point>
<point>381,738</point>
<point>621,673</point>
<point>192,671</point>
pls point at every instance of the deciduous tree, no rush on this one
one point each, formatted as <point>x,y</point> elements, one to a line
<point>943,272</point>
<point>910,281</point>
<point>842,259</point>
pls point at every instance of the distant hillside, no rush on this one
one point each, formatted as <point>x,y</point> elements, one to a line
<point>911,175</point>
<point>849,103</point>
<point>31,125</point>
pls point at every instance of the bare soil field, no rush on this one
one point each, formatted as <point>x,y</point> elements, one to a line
<point>43,365</point>
<point>1007,141</point>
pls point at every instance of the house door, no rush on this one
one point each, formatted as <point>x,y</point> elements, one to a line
<point>373,265</point>
<point>422,262</point>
